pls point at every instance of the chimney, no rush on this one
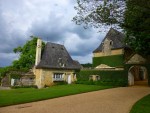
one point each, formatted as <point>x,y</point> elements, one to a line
<point>38,51</point>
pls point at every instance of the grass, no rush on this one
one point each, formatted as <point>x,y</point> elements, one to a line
<point>25,95</point>
<point>142,106</point>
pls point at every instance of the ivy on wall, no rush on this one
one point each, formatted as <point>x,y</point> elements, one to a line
<point>113,61</point>
<point>112,77</point>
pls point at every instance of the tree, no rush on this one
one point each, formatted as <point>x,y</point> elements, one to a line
<point>137,25</point>
<point>131,15</point>
<point>27,54</point>
<point>98,13</point>
<point>87,65</point>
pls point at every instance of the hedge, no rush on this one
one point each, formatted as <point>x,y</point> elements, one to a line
<point>113,77</point>
<point>113,61</point>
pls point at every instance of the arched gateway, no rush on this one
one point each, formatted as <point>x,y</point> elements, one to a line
<point>137,75</point>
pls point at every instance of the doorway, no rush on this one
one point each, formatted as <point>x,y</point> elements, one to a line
<point>69,79</point>
<point>137,75</point>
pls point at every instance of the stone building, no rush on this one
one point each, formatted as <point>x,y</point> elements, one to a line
<point>54,64</point>
<point>18,78</point>
<point>114,54</point>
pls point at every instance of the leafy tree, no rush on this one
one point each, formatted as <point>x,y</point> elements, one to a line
<point>3,71</point>
<point>137,25</point>
<point>98,13</point>
<point>87,65</point>
<point>27,54</point>
<point>131,15</point>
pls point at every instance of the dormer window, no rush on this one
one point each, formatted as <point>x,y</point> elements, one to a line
<point>60,62</point>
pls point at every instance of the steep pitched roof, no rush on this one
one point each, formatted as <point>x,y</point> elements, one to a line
<point>55,56</point>
<point>117,38</point>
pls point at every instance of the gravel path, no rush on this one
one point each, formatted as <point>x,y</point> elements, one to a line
<point>116,100</point>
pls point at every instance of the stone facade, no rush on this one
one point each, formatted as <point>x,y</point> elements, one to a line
<point>112,52</point>
<point>136,59</point>
<point>45,77</point>
<point>54,65</point>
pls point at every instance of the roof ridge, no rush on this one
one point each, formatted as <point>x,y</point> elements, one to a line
<point>54,43</point>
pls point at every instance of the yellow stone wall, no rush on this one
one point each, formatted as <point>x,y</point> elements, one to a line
<point>45,76</point>
<point>113,52</point>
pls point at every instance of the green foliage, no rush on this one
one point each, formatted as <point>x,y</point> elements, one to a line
<point>5,70</point>
<point>9,69</point>
<point>25,95</point>
<point>142,106</point>
<point>87,65</point>
<point>109,60</point>
<point>131,15</point>
<point>137,25</point>
<point>15,76</point>
<point>96,13</point>
<point>114,78</point>
<point>107,82</point>
<point>27,54</point>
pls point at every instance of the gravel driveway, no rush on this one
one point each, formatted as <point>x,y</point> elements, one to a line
<point>116,100</point>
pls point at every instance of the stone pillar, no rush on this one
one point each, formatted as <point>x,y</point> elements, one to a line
<point>38,51</point>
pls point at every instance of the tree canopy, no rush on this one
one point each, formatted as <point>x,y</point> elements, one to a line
<point>98,13</point>
<point>137,25</point>
<point>26,54</point>
<point>133,16</point>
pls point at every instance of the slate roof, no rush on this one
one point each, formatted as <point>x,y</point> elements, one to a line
<point>55,56</point>
<point>117,38</point>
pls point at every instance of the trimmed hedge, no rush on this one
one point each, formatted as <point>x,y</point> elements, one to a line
<point>113,77</point>
<point>114,60</point>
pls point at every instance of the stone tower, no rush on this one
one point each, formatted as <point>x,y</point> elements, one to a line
<point>38,51</point>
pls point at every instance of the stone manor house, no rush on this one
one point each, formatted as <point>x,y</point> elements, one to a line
<point>114,54</point>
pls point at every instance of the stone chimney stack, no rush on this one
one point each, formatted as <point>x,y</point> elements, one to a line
<point>38,51</point>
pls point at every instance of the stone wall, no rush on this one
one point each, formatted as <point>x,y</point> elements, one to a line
<point>44,77</point>
<point>113,52</point>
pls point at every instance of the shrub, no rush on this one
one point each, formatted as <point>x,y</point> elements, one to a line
<point>109,60</point>
<point>113,77</point>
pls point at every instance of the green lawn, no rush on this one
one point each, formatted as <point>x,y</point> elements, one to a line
<point>24,95</point>
<point>142,106</point>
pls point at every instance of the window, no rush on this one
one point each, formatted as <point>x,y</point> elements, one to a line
<point>111,43</point>
<point>58,77</point>
<point>97,78</point>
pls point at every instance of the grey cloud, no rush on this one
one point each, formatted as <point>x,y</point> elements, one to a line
<point>83,33</point>
<point>6,58</point>
<point>46,20</point>
<point>51,29</point>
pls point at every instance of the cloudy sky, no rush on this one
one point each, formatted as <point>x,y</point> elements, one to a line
<point>48,19</point>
